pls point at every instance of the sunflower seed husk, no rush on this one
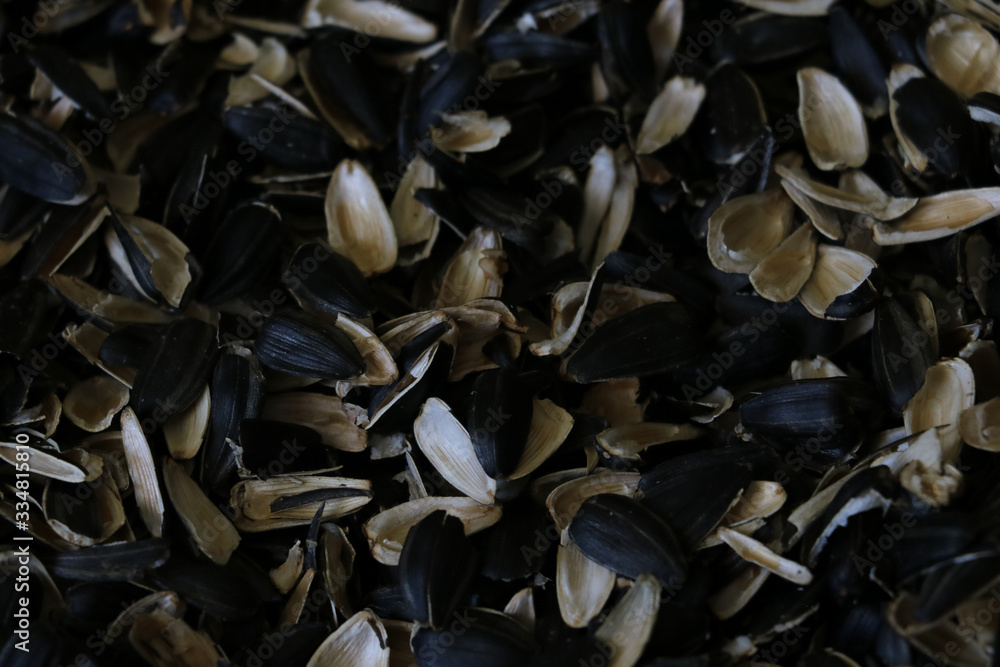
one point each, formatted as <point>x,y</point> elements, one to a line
<point>142,470</point>
<point>303,345</point>
<point>325,282</point>
<point>292,501</point>
<point>122,561</point>
<point>93,403</point>
<point>584,586</point>
<point>622,535</point>
<point>35,154</point>
<point>173,372</point>
<point>362,640</point>
<point>491,640</point>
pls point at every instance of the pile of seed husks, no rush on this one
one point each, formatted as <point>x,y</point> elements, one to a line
<point>541,333</point>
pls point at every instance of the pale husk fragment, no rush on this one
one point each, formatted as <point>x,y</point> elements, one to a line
<point>327,415</point>
<point>142,470</point>
<point>597,191</point>
<point>746,229</point>
<point>185,431</point>
<point>792,7</point>
<point>756,552</point>
<point>822,216</point>
<point>670,114</point>
<point>338,565</point>
<point>209,528</point>
<point>104,304</point>
<point>392,20</point>
<point>386,531</point>
<point>273,64</point>
<point>963,55</point>
<point>550,425</point>
<point>619,214</point>
<point>940,215</point>
<point>949,389</point>
<point>414,223</point>
<point>448,447</point>
<point>93,403</point>
<point>630,440</point>
<point>43,463</point>
<point>357,222</point>
<point>582,586</point>
<point>759,500</point>
<point>979,425</point>
<point>898,77</point>
<point>838,271</point>
<point>781,275</point>
<point>832,122</point>
<point>630,623</point>
<point>253,500</point>
<point>478,322</point>
<point>469,132</point>
<point>616,401</point>
<point>817,367</point>
<point>664,31</point>
<point>165,641</point>
<point>285,575</point>
<point>475,270</point>
<point>730,599</point>
<point>884,207</point>
<point>361,640</point>
<point>521,608</point>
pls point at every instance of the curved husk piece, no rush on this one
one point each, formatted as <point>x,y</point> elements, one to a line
<point>357,222</point>
<point>392,21</point>
<point>582,586</point>
<point>273,63</point>
<point>475,271</point>
<point>93,403</point>
<point>781,275</point>
<point>979,425</point>
<point>629,626</point>
<point>792,7</point>
<point>898,77</point>
<point>141,469</point>
<point>414,223</point>
<point>745,230</point>
<point>670,114</point>
<point>214,534</point>
<point>882,207</point>
<point>832,122</point>
<point>448,447</point>
<point>963,55</point>
<point>386,531</point>
<point>564,500</point>
<point>838,271</point>
<point>185,431</point>
<point>362,640</point>
<point>949,389</point>
<point>940,215</point>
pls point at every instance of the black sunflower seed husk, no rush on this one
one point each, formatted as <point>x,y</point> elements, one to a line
<point>761,38</point>
<point>324,281</point>
<point>67,75</point>
<point>668,489</point>
<point>730,118</point>
<point>939,125</point>
<point>40,162</point>
<point>626,55</point>
<point>517,546</point>
<point>488,639</point>
<point>858,63</point>
<point>273,448</point>
<point>173,372</point>
<point>901,351</point>
<point>436,566</point>
<point>208,587</point>
<point>237,390</point>
<point>245,245</point>
<point>128,345</point>
<point>821,421</point>
<point>19,212</point>
<point>124,561</point>
<point>445,89</point>
<point>499,419</point>
<point>626,537</point>
<point>304,144</point>
<point>657,338</point>
<point>302,344</point>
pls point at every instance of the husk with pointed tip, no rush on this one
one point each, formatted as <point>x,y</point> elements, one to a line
<point>940,215</point>
<point>629,440</point>
<point>746,229</point>
<point>285,575</point>
<point>327,415</point>
<point>338,566</point>
<point>619,214</point>
<point>880,208</point>
<point>362,640</point>
<point>550,425</point>
<point>475,270</point>
<point>522,609</point>
<point>664,32</point>
<point>838,271</point>
<point>760,499</point>
<point>185,431</point>
<point>448,447</point>
<point>166,254</point>
<point>781,275</point>
<point>357,222</point>
<point>751,550</point>
<point>832,122</point>
<point>386,531</point>
<point>597,191</point>
<point>142,470</point>
<point>414,223</point>
<point>582,586</point>
<point>898,77</point>
<point>734,596</point>
<point>629,626</point>
<point>44,464</point>
<point>670,114</point>
<point>211,530</point>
